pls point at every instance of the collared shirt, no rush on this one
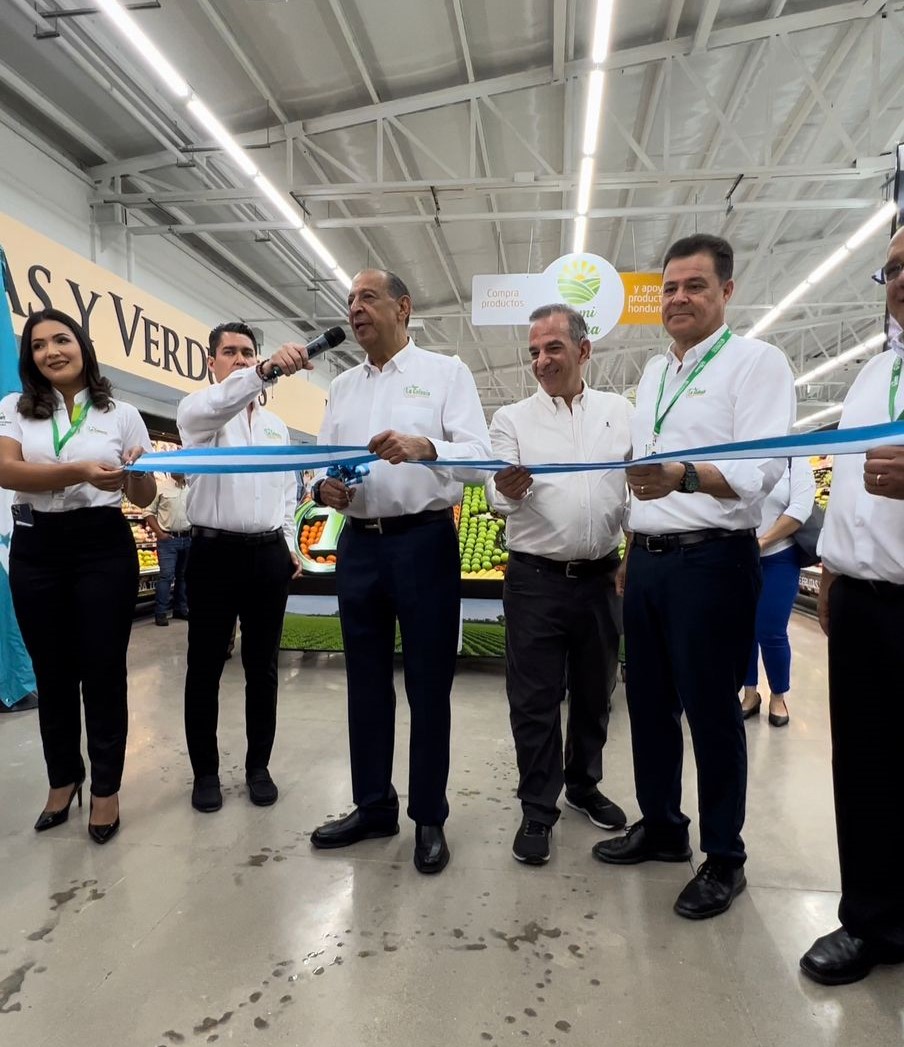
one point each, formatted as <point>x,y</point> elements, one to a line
<point>863,534</point>
<point>170,507</point>
<point>104,436</point>
<point>569,516</point>
<point>245,502</point>
<point>745,392</point>
<point>417,393</point>
<point>792,496</point>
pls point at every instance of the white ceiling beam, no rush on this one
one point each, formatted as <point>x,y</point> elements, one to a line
<point>705,25</point>
<point>559,38</point>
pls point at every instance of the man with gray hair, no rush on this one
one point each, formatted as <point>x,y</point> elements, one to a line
<point>563,536</point>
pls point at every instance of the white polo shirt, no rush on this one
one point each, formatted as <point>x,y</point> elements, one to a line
<point>417,393</point>
<point>104,436</point>
<point>863,534</point>
<point>744,393</point>
<point>569,516</point>
<point>246,502</point>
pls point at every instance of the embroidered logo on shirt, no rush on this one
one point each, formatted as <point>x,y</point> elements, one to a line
<point>94,429</point>
<point>272,433</point>
<point>416,391</point>
<point>695,391</point>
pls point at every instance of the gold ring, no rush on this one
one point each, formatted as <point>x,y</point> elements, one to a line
<point>643,488</point>
<point>878,479</point>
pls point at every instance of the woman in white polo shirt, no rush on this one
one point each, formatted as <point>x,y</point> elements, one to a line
<point>73,570</point>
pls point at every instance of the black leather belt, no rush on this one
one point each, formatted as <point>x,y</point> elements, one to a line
<point>398,524</point>
<point>664,543</point>
<point>252,538</point>
<point>569,568</point>
<point>180,534</point>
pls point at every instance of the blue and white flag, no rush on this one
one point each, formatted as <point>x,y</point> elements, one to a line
<point>17,678</point>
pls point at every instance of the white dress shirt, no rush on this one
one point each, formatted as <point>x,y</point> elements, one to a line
<point>417,393</point>
<point>569,516</point>
<point>792,496</point>
<point>745,392</point>
<point>863,534</point>
<point>247,502</point>
<point>104,436</point>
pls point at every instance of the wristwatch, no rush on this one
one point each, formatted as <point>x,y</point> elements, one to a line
<point>691,480</point>
<point>315,492</point>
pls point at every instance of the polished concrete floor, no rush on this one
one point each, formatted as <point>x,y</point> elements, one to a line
<point>192,929</point>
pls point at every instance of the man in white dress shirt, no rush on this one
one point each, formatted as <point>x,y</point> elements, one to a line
<point>398,560</point>
<point>563,533</point>
<point>240,562</point>
<point>693,573</point>
<point>861,609</point>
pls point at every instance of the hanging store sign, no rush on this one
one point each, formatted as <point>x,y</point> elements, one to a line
<point>587,282</point>
<point>131,330</point>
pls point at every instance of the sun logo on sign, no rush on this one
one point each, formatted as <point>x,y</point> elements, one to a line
<point>579,282</point>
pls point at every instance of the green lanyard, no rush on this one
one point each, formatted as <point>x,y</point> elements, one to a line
<point>79,415</point>
<point>658,418</point>
<point>893,391</point>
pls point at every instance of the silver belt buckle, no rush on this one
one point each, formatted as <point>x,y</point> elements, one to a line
<point>375,525</point>
<point>569,567</point>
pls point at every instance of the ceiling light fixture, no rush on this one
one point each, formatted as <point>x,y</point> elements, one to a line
<point>222,137</point>
<point>146,48</point>
<point>818,415</point>
<point>594,108</point>
<point>278,200</point>
<point>869,228</point>
<point>838,361</point>
<point>580,232</point>
<point>585,185</point>
<point>602,30</point>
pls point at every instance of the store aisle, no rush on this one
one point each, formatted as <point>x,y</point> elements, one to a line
<point>193,929</point>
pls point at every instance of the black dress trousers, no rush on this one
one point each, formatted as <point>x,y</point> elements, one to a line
<point>228,578</point>
<point>412,576</point>
<point>552,621</point>
<point>689,624</point>
<point>866,627</point>
<point>74,582</point>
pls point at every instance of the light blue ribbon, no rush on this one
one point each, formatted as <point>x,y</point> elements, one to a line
<point>197,461</point>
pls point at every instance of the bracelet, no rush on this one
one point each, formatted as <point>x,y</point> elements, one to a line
<point>259,370</point>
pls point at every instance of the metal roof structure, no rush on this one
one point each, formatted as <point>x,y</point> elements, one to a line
<point>442,139</point>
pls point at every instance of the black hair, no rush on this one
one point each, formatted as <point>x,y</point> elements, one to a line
<point>37,399</point>
<point>720,250</point>
<point>577,325</point>
<point>234,327</point>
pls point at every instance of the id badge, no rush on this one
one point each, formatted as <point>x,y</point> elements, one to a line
<point>654,446</point>
<point>22,515</point>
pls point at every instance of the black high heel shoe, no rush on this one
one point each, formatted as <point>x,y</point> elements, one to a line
<point>102,833</point>
<point>51,819</point>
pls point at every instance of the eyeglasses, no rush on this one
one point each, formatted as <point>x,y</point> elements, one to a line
<point>888,273</point>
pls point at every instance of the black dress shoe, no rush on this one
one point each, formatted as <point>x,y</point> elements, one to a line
<point>51,819</point>
<point>351,829</point>
<point>206,795</point>
<point>431,854</point>
<point>838,959</point>
<point>261,787</point>
<point>599,809</point>
<point>711,891</point>
<point>161,619</point>
<point>531,844</point>
<point>635,847</point>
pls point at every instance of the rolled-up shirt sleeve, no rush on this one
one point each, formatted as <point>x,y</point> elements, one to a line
<point>464,427</point>
<point>803,490</point>
<point>504,443</point>
<point>200,415</point>
<point>765,406</point>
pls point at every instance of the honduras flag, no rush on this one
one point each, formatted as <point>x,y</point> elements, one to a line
<point>17,679</point>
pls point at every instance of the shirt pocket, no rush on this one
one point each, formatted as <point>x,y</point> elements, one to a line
<point>413,418</point>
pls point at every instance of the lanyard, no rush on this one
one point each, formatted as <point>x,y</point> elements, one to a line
<point>893,390</point>
<point>658,418</point>
<point>79,415</point>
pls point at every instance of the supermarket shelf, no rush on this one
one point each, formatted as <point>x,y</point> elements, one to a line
<point>149,570</point>
<point>146,545</point>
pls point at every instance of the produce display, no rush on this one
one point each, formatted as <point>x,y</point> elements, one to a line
<point>822,471</point>
<point>317,530</point>
<point>145,542</point>
<point>481,536</point>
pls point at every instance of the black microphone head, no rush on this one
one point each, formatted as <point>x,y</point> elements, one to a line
<point>334,336</point>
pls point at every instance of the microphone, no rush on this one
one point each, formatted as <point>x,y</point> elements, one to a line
<point>328,340</point>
